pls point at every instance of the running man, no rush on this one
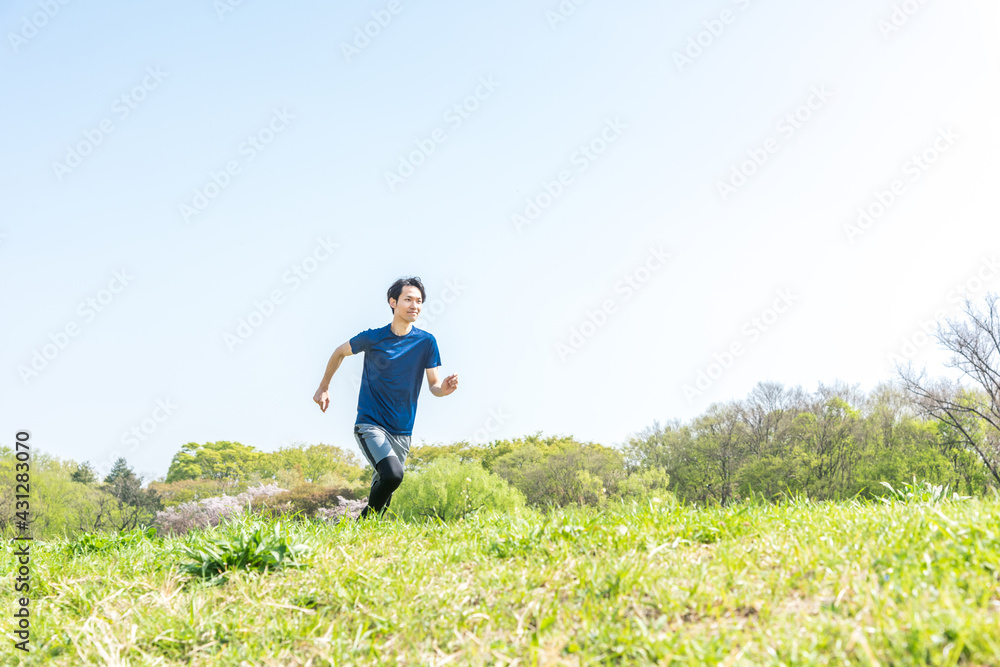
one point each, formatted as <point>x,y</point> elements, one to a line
<point>395,355</point>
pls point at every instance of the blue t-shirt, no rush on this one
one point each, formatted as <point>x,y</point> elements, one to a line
<point>393,372</point>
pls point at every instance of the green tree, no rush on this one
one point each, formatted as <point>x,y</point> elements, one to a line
<point>221,460</point>
<point>313,462</point>
<point>422,455</point>
<point>84,474</point>
<point>132,504</point>
<point>561,471</point>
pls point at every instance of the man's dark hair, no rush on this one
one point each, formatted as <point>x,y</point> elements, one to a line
<point>397,289</point>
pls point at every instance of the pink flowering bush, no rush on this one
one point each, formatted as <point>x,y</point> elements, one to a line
<point>210,511</point>
<point>345,507</point>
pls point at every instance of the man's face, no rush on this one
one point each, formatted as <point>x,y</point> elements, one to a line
<point>409,303</point>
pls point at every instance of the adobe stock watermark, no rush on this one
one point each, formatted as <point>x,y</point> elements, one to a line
<point>436,307</point>
<point>88,309</point>
<point>32,24</point>
<point>223,7</point>
<point>149,425</point>
<point>629,284</point>
<point>121,108</point>
<point>901,14</point>
<point>550,190</point>
<point>264,309</point>
<point>248,150</point>
<point>454,117</point>
<point>786,128</point>
<point>751,332</point>
<point>712,30</point>
<point>363,35</point>
<point>913,169</point>
<point>923,334</point>
<point>491,425</point>
<point>562,12</point>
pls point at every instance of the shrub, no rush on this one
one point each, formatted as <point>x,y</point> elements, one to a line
<point>588,489</point>
<point>359,486</point>
<point>210,511</point>
<point>344,507</point>
<point>289,478</point>
<point>565,473</point>
<point>645,485</point>
<point>449,488</point>
<point>243,545</point>
<point>186,490</point>
<point>306,499</point>
<point>104,542</point>
<point>772,476</point>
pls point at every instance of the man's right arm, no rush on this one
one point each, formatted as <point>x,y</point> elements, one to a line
<point>321,397</point>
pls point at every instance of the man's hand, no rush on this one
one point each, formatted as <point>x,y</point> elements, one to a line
<point>449,384</point>
<point>322,398</point>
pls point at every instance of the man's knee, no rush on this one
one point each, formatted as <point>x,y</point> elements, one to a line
<point>390,472</point>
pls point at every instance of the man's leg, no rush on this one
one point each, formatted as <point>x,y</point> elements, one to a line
<point>401,447</point>
<point>390,476</point>
<point>388,470</point>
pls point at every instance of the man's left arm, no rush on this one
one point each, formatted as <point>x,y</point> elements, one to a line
<point>438,386</point>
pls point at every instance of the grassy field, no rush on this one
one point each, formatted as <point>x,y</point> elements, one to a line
<point>800,583</point>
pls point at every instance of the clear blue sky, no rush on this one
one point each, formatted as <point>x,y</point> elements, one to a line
<point>739,139</point>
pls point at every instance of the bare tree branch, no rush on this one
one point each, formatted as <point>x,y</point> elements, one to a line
<point>973,412</point>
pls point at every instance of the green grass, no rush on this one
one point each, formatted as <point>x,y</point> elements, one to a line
<point>110,541</point>
<point>245,544</point>
<point>800,583</point>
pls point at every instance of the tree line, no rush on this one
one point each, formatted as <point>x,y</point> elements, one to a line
<point>837,442</point>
